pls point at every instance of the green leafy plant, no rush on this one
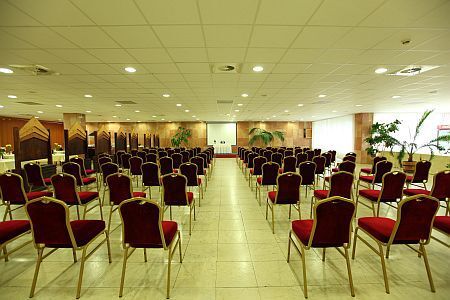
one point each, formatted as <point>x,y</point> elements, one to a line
<point>181,136</point>
<point>266,137</point>
<point>381,137</point>
<point>411,147</point>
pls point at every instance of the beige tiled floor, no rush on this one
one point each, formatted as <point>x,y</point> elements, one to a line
<point>232,254</point>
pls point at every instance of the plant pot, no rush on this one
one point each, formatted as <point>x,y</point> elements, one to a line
<point>409,166</point>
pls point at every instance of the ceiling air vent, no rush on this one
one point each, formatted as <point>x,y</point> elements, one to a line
<point>37,70</point>
<point>30,103</point>
<point>126,102</point>
<point>232,68</point>
<point>413,70</point>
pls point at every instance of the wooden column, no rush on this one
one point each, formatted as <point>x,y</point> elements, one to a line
<point>363,122</point>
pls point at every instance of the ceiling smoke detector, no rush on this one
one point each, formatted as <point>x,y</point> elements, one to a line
<point>225,68</point>
<point>36,70</point>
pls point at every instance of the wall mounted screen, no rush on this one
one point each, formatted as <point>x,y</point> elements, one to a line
<point>221,132</point>
<point>334,134</point>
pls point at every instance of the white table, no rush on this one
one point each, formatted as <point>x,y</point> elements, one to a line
<point>6,164</point>
<point>222,148</point>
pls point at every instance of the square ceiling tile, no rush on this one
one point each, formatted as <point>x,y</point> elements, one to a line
<point>9,41</point>
<point>133,36</point>
<point>38,56</point>
<point>226,54</point>
<point>41,37</point>
<point>301,55</point>
<point>273,36</point>
<point>112,55</point>
<point>180,36</point>
<point>170,12</point>
<point>339,56</point>
<point>161,68</point>
<point>227,12</point>
<point>98,69</point>
<point>290,68</point>
<point>363,38</point>
<point>188,54</point>
<point>227,35</point>
<point>151,55</point>
<point>286,12</point>
<point>271,55</point>
<point>87,37</point>
<point>319,36</point>
<point>194,67</point>
<point>117,12</point>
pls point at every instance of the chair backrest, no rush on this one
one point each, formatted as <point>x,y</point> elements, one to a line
<point>120,188</point>
<point>307,170</point>
<point>186,156</point>
<point>146,151</point>
<point>200,164</point>
<point>151,157</point>
<point>333,155</point>
<point>74,170</point>
<point>381,168</point>
<point>268,155</point>
<point>135,165</point>
<point>289,164</point>
<point>251,157</point>
<point>351,154</point>
<point>126,160</point>
<point>347,166</point>
<point>142,223</point>
<point>170,152</point>
<point>392,187</point>
<point>119,157</point>
<point>288,188</point>
<point>50,222</point>
<point>33,173</point>
<point>153,150</point>
<point>297,151</point>
<point>190,171</point>
<point>177,160</point>
<point>162,154</point>
<point>174,189</point>
<point>177,150</point>
<point>205,159</point>
<point>320,164</point>
<point>270,173</point>
<point>341,185</point>
<point>421,172</point>
<point>376,159</point>
<point>277,157</point>
<point>133,152</point>
<point>415,216</point>
<point>65,188</point>
<point>317,152</point>
<point>327,156</point>
<point>11,188</point>
<point>332,222</point>
<point>288,152</point>
<point>246,154</point>
<point>301,157</point>
<point>310,154</point>
<point>142,155</point>
<point>108,169</point>
<point>441,185</point>
<point>150,174</point>
<point>80,162</point>
<point>257,165</point>
<point>104,159</point>
<point>166,165</point>
<point>191,153</point>
<point>349,158</point>
<point>103,155</point>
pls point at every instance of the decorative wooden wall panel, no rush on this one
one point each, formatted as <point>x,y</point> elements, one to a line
<point>102,141</point>
<point>120,138</point>
<point>134,140</point>
<point>147,140</point>
<point>75,140</point>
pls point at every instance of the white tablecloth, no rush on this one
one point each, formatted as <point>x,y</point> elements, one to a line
<point>9,163</point>
<point>6,164</point>
<point>222,148</point>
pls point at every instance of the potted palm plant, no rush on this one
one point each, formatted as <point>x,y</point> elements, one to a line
<point>181,136</point>
<point>381,138</point>
<point>264,136</point>
<point>409,148</point>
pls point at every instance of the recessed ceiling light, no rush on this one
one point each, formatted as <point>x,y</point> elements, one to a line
<point>12,96</point>
<point>396,97</point>
<point>197,119</point>
<point>244,95</point>
<point>234,116</point>
<point>258,68</point>
<point>313,116</point>
<point>137,111</point>
<point>179,104</point>
<point>6,71</point>
<point>300,104</point>
<point>381,70</point>
<point>36,117</point>
<point>166,95</point>
<point>128,119</point>
<point>163,119</point>
<point>153,116</point>
<point>58,105</point>
<point>236,110</point>
<point>322,96</point>
<point>40,112</point>
<point>139,121</point>
<point>358,105</point>
<point>267,118</point>
<point>334,111</point>
<point>118,105</point>
<point>1,106</point>
<point>88,111</point>
<point>186,110</point>
<point>240,104</point>
<point>227,115</point>
<point>114,116</point>
<point>87,96</point>
<point>274,116</point>
<point>194,116</point>
<point>286,110</point>
<point>130,69</point>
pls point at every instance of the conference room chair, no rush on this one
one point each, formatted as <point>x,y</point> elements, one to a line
<point>256,171</point>
<point>177,160</point>
<point>206,163</point>
<point>346,166</point>
<point>193,180</point>
<point>320,166</point>
<point>80,161</point>
<point>126,162</point>
<point>307,170</point>
<point>391,192</point>
<point>277,157</point>
<point>349,158</point>
<point>162,154</point>
<point>371,170</point>
<point>185,156</point>
<point>330,228</point>
<point>286,193</point>
<point>381,168</point>
<point>103,155</point>
<point>420,176</point>
<point>249,164</point>
<point>201,171</point>
<point>341,184</point>
<point>133,152</point>
<point>244,160</point>
<point>153,150</point>
<point>142,155</point>
<point>150,177</point>
<point>108,169</point>
<point>309,154</point>
<point>268,155</point>
<point>175,194</point>
<point>350,154</point>
<point>120,189</point>
<point>301,157</point>
<point>412,227</point>
<point>75,170</point>
<point>12,193</point>
<point>151,157</point>
<point>440,189</point>
<point>143,228</point>
<point>288,152</point>
<point>261,151</point>
<point>146,151</point>
<point>135,168</point>
<point>177,150</point>
<point>327,156</point>
<point>306,149</point>
<point>166,165</point>
<point>103,159</point>
<point>268,178</point>
<point>119,157</point>
<point>297,150</point>
<point>53,229</point>
<point>35,180</point>
<point>333,157</point>
<point>289,165</point>
<point>442,225</point>
<point>170,151</point>
<point>191,153</point>
<point>65,189</point>
<point>10,231</point>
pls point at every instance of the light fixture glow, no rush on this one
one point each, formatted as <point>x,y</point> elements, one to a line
<point>1,106</point>
<point>163,119</point>
<point>236,110</point>
<point>58,105</point>
<point>396,97</point>
<point>87,96</point>
<point>179,104</point>
<point>381,70</point>
<point>153,116</point>
<point>194,116</point>
<point>88,111</point>
<point>358,105</point>
<point>334,111</point>
<point>12,96</point>
<point>36,117</point>
<point>186,110</point>
<point>240,104</point>
<point>244,95</point>
<point>322,96</point>
<point>274,116</point>
<point>128,119</point>
<point>137,111</point>
<point>130,69</point>
<point>300,104</point>
<point>40,112</point>
<point>166,95</point>
<point>313,116</point>
<point>114,116</point>
<point>6,71</point>
<point>258,68</point>
<point>118,105</point>
<point>286,110</point>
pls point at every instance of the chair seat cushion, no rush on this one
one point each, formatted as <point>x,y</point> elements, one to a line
<point>259,180</point>
<point>442,223</point>
<point>327,178</point>
<point>371,195</point>
<point>190,196</point>
<point>139,194</point>
<point>380,228</point>
<point>35,195</point>
<point>409,178</point>
<point>366,178</point>
<point>302,229</point>
<point>90,172</point>
<point>88,180</point>
<point>251,171</point>
<point>199,181</point>
<point>272,195</point>
<point>13,228</point>
<point>170,230</point>
<point>321,194</point>
<point>280,171</point>
<point>86,197</point>
<point>366,170</point>
<point>335,170</point>
<point>175,170</point>
<point>413,192</point>
<point>48,181</point>
<point>85,230</point>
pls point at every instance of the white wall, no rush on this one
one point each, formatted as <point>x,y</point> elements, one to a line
<point>334,134</point>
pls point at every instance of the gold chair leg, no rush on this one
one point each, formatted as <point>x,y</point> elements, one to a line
<point>168,273</point>
<point>108,245</point>
<point>349,271</point>
<point>100,208</point>
<point>190,220</point>
<point>124,266</point>
<point>110,218</point>
<point>427,266</point>
<point>355,238</point>
<point>323,253</point>
<point>179,247</point>
<point>305,286</point>
<point>36,271</point>
<point>383,267</point>
<point>74,254</point>
<point>80,277</point>
<point>290,211</point>
<point>145,255</point>
<point>273,219</point>
<point>289,247</point>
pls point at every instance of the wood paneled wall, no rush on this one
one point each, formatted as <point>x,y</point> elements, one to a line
<point>7,125</point>
<point>363,123</point>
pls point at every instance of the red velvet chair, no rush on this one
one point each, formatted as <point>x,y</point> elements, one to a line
<point>12,192</point>
<point>297,150</point>
<point>150,177</point>
<point>307,170</point>
<point>126,162</point>
<point>143,227</point>
<point>151,157</point>
<point>287,193</point>
<point>371,170</point>
<point>301,157</point>
<point>186,156</point>
<point>420,175</point>
<point>80,161</point>
<point>206,162</point>
<point>440,189</point>
<point>309,154</point>
<point>350,154</point>
<point>106,170</point>
<point>329,228</point>
<point>201,171</point>
<point>65,188</point>
<point>249,164</point>
<point>381,168</point>
<point>103,160</point>
<point>52,228</point>
<point>256,171</point>
<point>346,166</point>
<point>320,166</point>
<point>317,152</point>
<point>175,194</point>
<point>268,155</point>
<point>190,171</point>
<point>289,165</point>
<point>277,157</point>
<point>135,168</point>
<point>133,152</point>
<point>11,231</point>
<point>177,159</point>
<point>268,178</point>
<point>162,154</point>
<point>120,189</point>
<point>391,191</point>
<point>340,185</point>
<point>75,170</point>
<point>119,157</point>
<point>413,226</point>
<point>103,155</point>
<point>166,165</point>
<point>33,175</point>
<point>327,156</point>
<point>442,225</point>
<point>170,152</point>
<point>142,155</point>
<point>288,152</point>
